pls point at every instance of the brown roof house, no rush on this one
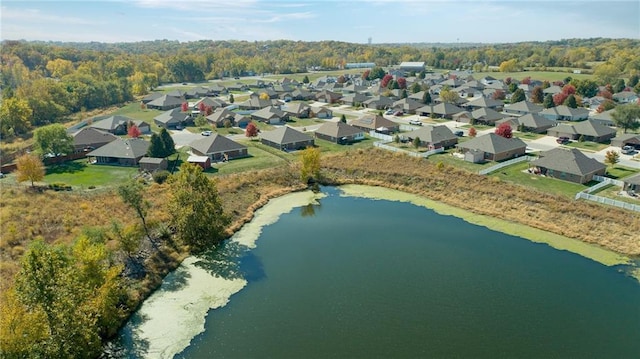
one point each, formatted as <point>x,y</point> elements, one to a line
<point>568,164</point>
<point>626,139</point>
<point>328,96</point>
<point>339,132</point>
<point>565,113</point>
<point>218,148</point>
<point>372,122</point>
<point>89,138</point>
<point>441,110</point>
<point>632,184</point>
<point>271,114</point>
<point>523,108</point>
<point>220,115</point>
<point>286,138</point>
<point>494,147</point>
<point>124,152</point>
<point>433,136</point>
<point>589,130</point>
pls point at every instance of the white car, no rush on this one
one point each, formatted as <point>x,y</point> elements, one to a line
<point>627,150</point>
<point>206,133</point>
<point>415,122</point>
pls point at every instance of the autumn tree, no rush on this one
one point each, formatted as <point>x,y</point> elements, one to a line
<point>504,130</point>
<point>251,131</point>
<point>559,98</point>
<point>606,73</point>
<point>586,87</point>
<point>132,194</point>
<point>518,96</point>
<point>627,116</point>
<point>449,96</point>
<point>29,168</point>
<point>198,216</point>
<point>184,107</point>
<point>526,80</point>
<point>310,164</point>
<point>264,96</point>
<point>472,132</point>
<point>133,131</point>
<point>53,139</point>
<point>365,74</point>
<point>509,65</point>
<point>15,115</point>
<point>537,95</point>
<point>498,95</point>
<point>386,80</point>
<point>611,157</point>
<point>402,82</point>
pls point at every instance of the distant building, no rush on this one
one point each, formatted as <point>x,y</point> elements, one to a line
<point>412,66</point>
<point>359,65</point>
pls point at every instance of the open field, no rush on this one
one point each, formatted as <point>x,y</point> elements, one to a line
<point>259,158</point>
<point>80,173</point>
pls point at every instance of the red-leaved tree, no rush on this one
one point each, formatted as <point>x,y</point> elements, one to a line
<point>569,89</point>
<point>133,131</point>
<point>526,80</point>
<point>251,131</point>
<point>473,132</point>
<point>499,95</point>
<point>558,99</point>
<point>606,94</point>
<point>507,81</point>
<point>504,130</point>
<point>365,74</point>
<point>208,110</point>
<point>402,82</point>
<point>385,80</point>
<point>202,107</point>
<point>184,107</point>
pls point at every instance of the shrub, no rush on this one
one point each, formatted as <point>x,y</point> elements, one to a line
<point>161,176</point>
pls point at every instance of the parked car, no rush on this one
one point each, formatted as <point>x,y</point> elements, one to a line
<point>206,133</point>
<point>563,140</point>
<point>459,133</point>
<point>627,150</point>
<point>415,122</point>
<point>398,113</point>
<point>389,112</point>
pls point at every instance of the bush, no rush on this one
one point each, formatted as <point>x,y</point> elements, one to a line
<point>161,176</point>
<point>59,186</point>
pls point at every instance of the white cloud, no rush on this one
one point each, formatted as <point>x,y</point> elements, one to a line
<point>36,16</point>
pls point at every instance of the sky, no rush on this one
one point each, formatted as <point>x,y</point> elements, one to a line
<point>384,21</point>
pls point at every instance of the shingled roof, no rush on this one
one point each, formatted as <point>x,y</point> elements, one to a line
<point>492,143</point>
<point>285,135</point>
<point>571,161</point>
<point>131,148</point>
<point>215,144</point>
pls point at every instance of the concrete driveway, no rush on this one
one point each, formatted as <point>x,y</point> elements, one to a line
<point>184,137</point>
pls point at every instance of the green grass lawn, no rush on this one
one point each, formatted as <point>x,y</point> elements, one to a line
<point>327,146</point>
<point>528,135</point>
<point>81,174</point>
<point>517,174</point>
<point>618,172</point>
<point>477,127</point>
<point>134,111</point>
<point>259,158</point>
<point>589,146</point>
<point>613,193</point>
<point>302,122</point>
<point>453,161</point>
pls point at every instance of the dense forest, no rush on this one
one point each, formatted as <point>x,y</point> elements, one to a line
<point>42,82</point>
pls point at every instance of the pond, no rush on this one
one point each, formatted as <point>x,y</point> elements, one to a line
<point>361,278</point>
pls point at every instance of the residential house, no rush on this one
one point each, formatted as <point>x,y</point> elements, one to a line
<point>625,97</point>
<point>237,87</point>
<point>217,89</point>
<point>165,103</point>
<point>218,148</point>
<point>373,122</point>
<point>565,113</point>
<point>172,118</point>
<point>241,120</point>
<point>568,164</point>
<point>407,105</point>
<point>353,88</point>
<point>589,130</point>
<point>441,110</point>
<point>89,138</point>
<point>626,139</point>
<point>321,112</point>
<point>297,109</point>
<point>124,152</point>
<point>603,118</point>
<point>150,97</point>
<point>220,115</point>
<point>522,108</point>
<point>487,116</point>
<point>197,92</point>
<point>339,132</point>
<point>302,95</point>
<point>494,147</point>
<point>286,138</point>
<point>271,114</point>
<point>354,99</point>
<point>116,124</point>
<point>433,136</point>
<point>483,102</point>
<point>378,102</point>
<point>269,92</point>
<point>328,96</point>
<point>210,102</point>
<point>632,184</point>
<point>254,103</point>
<point>152,164</point>
<point>531,122</point>
<point>552,90</point>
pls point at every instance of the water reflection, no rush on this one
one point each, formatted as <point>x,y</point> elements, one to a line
<point>224,260</point>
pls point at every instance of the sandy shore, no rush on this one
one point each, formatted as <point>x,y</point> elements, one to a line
<point>174,314</point>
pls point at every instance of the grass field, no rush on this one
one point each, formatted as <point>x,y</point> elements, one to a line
<point>134,111</point>
<point>259,158</point>
<point>81,174</point>
<point>447,159</point>
<point>589,146</point>
<point>618,172</point>
<point>517,174</point>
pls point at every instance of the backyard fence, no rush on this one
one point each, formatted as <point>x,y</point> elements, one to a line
<point>609,180</point>
<point>608,201</point>
<point>410,153</point>
<point>381,136</point>
<point>500,165</point>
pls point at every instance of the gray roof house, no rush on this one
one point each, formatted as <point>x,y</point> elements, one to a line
<point>625,97</point>
<point>321,112</point>
<point>565,113</point>
<point>353,99</point>
<point>626,139</point>
<point>339,132</point>
<point>532,123</point>
<point>286,138</point>
<point>483,102</point>
<point>297,109</point>
<point>271,115</point>
<point>220,115</point>
<point>443,109</point>
<point>590,130</point>
<point>172,118</point>
<point>494,147</point>
<point>165,102</point>
<point>90,138</point>
<point>254,103</point>
<point>604,118</point>
<point>113,124</point>
<point>486,115</point>
<point>632,184</point>
<point>569,165</point>
<point>124,152</point>
<point>523,108</point>
<point>378,102</point>
<point>433,136</point>
<point>218,148</point>
<point>373,122</point>
<point>407,105</point>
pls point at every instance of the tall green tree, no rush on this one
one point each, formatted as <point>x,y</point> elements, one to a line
<point>156,147</point>
<point>627,116</point>
<point>548,101</point>
<point>426,98</point>
<point>518,96</point>
<point>633,80</point>
<point>198,215</point>
<point>167,141</point>
<point>53,139</point>
<point>15,115</point>
<point>570,101</point>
